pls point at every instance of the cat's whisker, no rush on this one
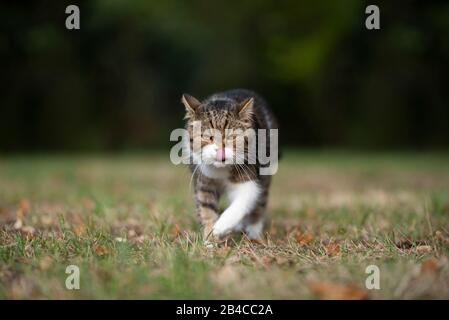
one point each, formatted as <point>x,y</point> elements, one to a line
<point>245,172</point>
<point>193,174</point>
<point>252,174</point>
<point>239,171</point>
<point>242,172</point>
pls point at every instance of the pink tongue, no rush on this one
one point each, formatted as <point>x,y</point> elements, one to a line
<point>221,154</point>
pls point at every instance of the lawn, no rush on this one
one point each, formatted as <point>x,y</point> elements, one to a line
<point>128,223</point>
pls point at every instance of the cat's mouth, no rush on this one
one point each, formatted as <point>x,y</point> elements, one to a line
<point>219,164</point>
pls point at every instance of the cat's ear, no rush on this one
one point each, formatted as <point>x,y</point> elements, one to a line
<point>191,104</point>
<point>245,108</point>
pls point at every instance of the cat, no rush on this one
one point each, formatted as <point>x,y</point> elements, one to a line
<point>223,169</point>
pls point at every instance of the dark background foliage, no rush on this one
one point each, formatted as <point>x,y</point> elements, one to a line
<point>116,83</point>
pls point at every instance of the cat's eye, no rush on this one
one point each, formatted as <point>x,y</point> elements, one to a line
<point>211,138</point>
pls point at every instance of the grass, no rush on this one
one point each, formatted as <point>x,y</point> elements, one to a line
<point>127,222</point>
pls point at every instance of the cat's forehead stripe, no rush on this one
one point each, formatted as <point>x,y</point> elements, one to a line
<point>221,99</point>
<point>221,104</point>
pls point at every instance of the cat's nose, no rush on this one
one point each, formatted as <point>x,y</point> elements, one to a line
<point>221,155</point>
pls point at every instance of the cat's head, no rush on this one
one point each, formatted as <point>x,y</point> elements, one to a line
<point>224,126</point>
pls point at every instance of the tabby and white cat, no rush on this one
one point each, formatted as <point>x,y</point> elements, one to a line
<point>218,172</point>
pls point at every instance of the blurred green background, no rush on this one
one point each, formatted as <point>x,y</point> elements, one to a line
<point>116,83</point>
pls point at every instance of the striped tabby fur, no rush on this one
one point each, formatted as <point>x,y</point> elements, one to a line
<point>245,188</point>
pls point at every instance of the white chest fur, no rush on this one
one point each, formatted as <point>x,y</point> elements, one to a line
<point>214,172</point>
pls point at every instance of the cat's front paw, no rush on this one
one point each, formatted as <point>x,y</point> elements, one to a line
<point>221,229</point>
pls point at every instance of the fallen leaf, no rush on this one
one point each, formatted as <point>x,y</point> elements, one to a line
<point>79,230</point>
<point>47,220</point>
<point>256,241</point>
<point>430,266</point>
<point>139,239</point>
<point>303,238</point>
<point>28,230</point>
<point>311,212</point>
<point>175,231</point>
<point>132,233</point>
<point>282,261</point>
<point>223,251</point>
<point>423,249</point>
<point>22,210</point>
<point>332,249</point>
<point>379,246</point>
<point>268,261</point>
<point>7,216</point>
<point>100,249</point>
<point>440,236</point>
<point>334,291</point>
<point>45,263</point>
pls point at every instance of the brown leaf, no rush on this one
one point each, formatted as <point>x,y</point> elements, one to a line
<point>139,239</point>
<point>132,233</point>
<point>311,212</point>
<point>100,249</point>
<point>222,251</point>
<point>334,291</point>
<point>423,249</point>
<point>27,230</point>
<point>45,263</point>
<point>7,216</point>
<point>79,229</point>
<point>22,210</point>
<point>303,238</point>
<point>267,261</point>
<point>47,220</point>
<point>332,249</point>
<point>440,236</point>
<point>256,241</point>
<point>175,231</point>
<point>430,266</point>
<point>283,261</point>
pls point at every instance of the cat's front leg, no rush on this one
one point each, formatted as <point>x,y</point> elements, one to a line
<point>243,197</point>
<point>207,195</point>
